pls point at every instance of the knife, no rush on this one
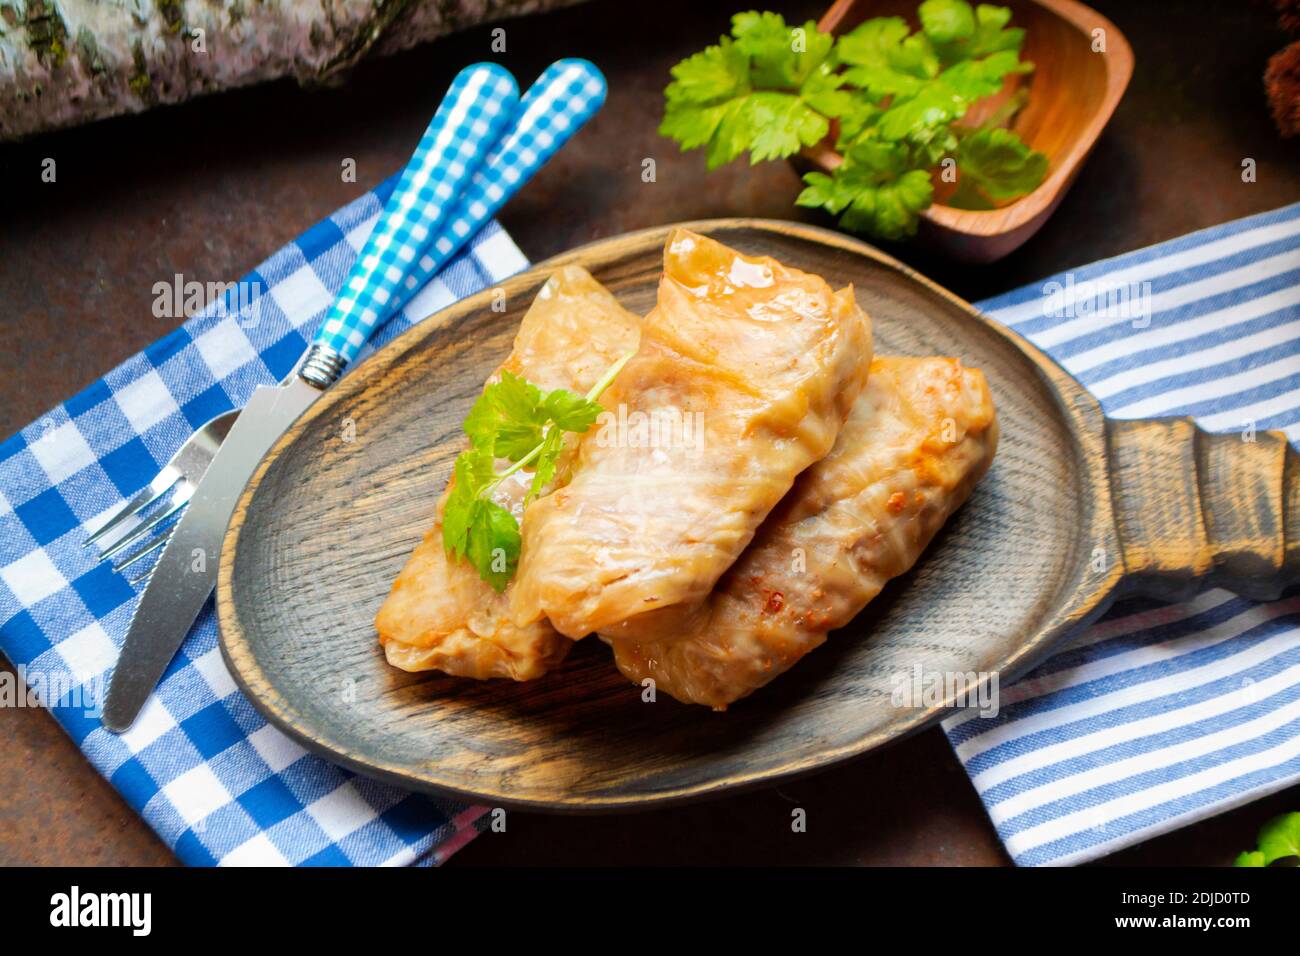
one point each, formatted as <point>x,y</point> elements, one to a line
<point>415,236</point>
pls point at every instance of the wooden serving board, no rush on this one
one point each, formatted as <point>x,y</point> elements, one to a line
<point>331,515</point>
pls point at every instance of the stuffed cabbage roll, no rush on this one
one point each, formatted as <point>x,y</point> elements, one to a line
<point>920,436</point>
<point>746,372</point>
<point>440,615</point>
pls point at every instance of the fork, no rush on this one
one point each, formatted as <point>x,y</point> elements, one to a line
<point>181,473</point>
<point>539,129</point>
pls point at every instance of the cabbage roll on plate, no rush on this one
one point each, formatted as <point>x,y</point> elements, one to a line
<point>440,614</point>
<point>920,436</point>
<point>749,368</point>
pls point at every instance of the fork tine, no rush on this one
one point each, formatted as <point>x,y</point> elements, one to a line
<point>162,539</point>
<point>163,483</point>
<point>136,534</point>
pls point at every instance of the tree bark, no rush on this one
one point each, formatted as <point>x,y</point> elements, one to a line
<point>64,62</point>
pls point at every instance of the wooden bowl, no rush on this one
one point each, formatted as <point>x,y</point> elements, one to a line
<point>1072,93</point>
<point>1073,508</point>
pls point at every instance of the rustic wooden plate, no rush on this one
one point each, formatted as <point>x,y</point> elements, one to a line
<point>332,513</point>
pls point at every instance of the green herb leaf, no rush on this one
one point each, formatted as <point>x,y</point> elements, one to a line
<point>769,125</point>
<point>873,189</point>
<point>746,95</point>
<point>779,125</point>
<point>890,210</point>
<point>1280,838</point>
<point>959,32</point>
<point>705,88</point>
<point>992,34</point>
<point>935,106</point>
<point>511,401</point>
<point>515,420</point>
<point>884,61</point>
<point>947,21</point>
<point>822,91</point>
<point>544,473</point>
<point>494,543</point>
<point>514,440</point>
<point>779,55</point>
<point>995,164</point>
<point>975,79</point>
<point>717,73</point>
<point>570,411</point>
<point>473,469</point>
<point>896,99</point>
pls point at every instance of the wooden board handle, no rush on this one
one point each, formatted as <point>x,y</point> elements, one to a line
<point>1196,510</point>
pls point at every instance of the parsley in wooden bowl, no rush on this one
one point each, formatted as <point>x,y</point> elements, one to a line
<point>963,124</point>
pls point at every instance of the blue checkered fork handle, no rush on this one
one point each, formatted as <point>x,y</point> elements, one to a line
<point>481,100</point>
<point>565,96</point>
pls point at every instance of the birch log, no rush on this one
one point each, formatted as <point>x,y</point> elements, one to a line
<point>64,62</point>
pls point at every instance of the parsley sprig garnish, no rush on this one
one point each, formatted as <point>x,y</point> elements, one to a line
<point>1279,839</point>
<point>513,420</point>
<point>770,90</point>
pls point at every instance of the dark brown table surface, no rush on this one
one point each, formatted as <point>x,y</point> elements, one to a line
<point>210,188</point>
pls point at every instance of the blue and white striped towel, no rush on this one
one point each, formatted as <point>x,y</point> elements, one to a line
<point>207,772</point>
<point>1158,715</point>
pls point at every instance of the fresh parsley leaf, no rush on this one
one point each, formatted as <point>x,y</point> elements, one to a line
<point>824,191</point>
<point>544,473</point>
<point>884,61</point>
<point>947,22</point>
<point>917,117</point>
<point>1279,839</point>
<point>822,91</point>
<point>515,420</point>
<point>474,468</point>
<point>744,95</point>
<point>514,440</point>
<point>873,189</point>
<point>856,123</point>
<point>959,32</point>
<point>508,401</point>
<point>570,411</point>
<point>992,34</point>
<point>769,125</point>
<point>778,124</point>
<point>715,74</point>
<point>975,79</point>
<point>996,164</point>
<point>894,99</point>
<point>705,89</point>
<point>494,543</point>
<point>779,55</point>
<point>890,210</point>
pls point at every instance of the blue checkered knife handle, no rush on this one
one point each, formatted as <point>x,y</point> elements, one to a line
<point>479,103</point>
<point>564,97</point>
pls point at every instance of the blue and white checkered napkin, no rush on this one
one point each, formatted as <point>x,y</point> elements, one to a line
<point>1158,715</point>
<point>207,772</point>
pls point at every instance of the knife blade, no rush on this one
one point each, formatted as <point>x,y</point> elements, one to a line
<point>186,569</point>
<point>564,97</point>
